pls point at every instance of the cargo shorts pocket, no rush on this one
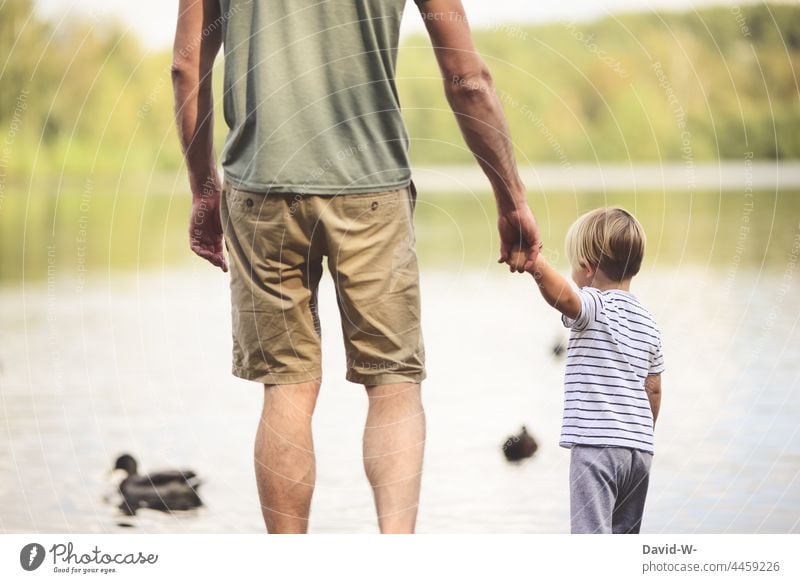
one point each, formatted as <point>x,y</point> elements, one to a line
<point>380,207</point>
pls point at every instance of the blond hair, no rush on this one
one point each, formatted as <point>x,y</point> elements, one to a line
<point>610,239</point>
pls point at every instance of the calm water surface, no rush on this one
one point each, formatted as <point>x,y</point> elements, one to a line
<point>140,363</point>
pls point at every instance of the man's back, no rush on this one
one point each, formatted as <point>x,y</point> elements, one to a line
<point>310,96</point>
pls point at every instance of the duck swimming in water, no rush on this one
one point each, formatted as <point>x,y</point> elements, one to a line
<point>519,447</point>
<point>165,490</point>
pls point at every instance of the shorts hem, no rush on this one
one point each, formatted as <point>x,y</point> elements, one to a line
<point>372,380</point>
<point>277,378</point>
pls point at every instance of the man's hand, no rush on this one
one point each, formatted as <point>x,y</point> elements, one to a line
<point>519,233</point>
<point>205,228</point>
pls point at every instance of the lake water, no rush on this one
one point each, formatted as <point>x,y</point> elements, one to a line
<point>139,362</point>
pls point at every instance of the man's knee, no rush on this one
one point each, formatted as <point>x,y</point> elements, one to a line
<point>298,400</point>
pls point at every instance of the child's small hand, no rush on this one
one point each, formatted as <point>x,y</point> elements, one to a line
<point>518,257</point>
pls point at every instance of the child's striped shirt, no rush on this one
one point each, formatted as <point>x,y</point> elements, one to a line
<point>614,345</point>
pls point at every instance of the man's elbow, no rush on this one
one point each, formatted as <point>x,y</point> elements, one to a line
<point>469,85</point>
<point>190,67</point>
<point>181,71</point>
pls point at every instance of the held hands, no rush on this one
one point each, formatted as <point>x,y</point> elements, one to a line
<point>520,240</point>
<point>205,228</point>
<point>518,258</point>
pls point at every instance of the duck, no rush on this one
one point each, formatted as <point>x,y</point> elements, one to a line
<point>519,447</point>
<point>558,349</point>
<point>165,490</point>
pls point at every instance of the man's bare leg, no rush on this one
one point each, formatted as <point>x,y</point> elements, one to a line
<point>284,456</point>
<point>394,442</point>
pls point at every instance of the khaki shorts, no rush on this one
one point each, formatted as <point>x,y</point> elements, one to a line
<point>276,244</point>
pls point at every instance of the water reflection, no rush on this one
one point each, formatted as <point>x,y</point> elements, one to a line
<point>140,362</point>
<point>122,229</point>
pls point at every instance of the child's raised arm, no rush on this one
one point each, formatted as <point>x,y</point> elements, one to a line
<point>555,289</point>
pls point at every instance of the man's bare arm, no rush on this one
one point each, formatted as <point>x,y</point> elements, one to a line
<point>198,38</point>
<point>470,91</point>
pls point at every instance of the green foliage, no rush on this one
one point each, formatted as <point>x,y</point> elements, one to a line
<point>83,96</point>
<point>590,91</point>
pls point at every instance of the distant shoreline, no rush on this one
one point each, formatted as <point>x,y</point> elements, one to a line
<point>726,176</point>
<point>580,178</point>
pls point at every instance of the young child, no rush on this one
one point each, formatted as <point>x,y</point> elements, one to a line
<point>613,371</point>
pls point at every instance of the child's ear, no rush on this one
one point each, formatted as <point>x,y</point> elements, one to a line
<point>589,269</point>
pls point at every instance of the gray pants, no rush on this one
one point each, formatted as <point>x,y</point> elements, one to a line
<point>608,487</point>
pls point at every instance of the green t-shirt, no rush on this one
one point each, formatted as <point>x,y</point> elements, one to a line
<point>310,96</point>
